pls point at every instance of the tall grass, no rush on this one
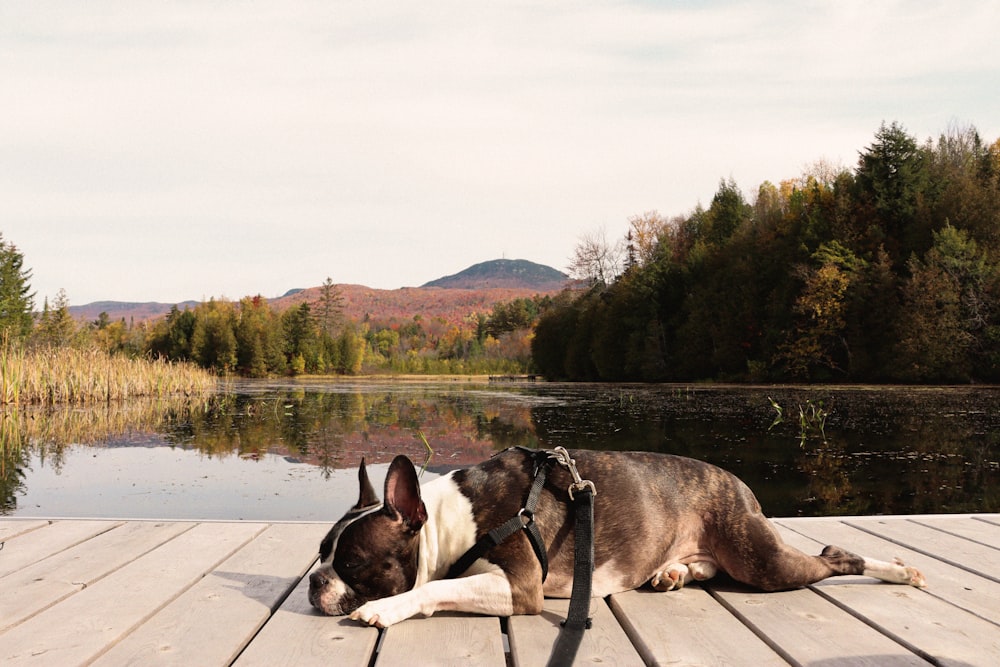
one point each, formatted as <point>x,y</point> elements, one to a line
<point>51,376</point>
<point>11,371</point>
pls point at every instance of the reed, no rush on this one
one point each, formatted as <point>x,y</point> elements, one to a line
<point>51,376</point>
<point>11,371</point>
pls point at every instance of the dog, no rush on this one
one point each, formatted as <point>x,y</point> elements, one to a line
<point>658,519</point>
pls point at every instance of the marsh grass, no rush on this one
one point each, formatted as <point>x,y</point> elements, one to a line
<point>53,376</point>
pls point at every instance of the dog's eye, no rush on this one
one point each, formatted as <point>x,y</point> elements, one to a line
<point>349,567</point>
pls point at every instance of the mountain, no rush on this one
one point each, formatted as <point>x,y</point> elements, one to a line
<point>504,273</point>
<point>451,298</point>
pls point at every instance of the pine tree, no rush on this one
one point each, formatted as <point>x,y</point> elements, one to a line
<point>16,298</point>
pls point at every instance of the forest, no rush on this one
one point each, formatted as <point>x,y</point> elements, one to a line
<point>884,272</point>
<point>253,338</point>
<point>887,272</point>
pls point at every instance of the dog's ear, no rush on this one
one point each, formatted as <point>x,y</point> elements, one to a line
<point>402,493</point>
<point>367,497</point>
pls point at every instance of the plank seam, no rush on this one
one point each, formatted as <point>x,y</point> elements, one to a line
<point>26,531</point>
<point>784,655</point>
<point>83,585</point>
<point>630,631</point>
<point>54,525</point>
<point>274,609</point>
<point>194,580</point>
<point>875,626</point>
<point>954,534</point>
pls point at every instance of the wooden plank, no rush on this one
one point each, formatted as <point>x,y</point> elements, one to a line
<point>971,529</point>
<point>13,527</point>
<point>805,628</point>
<point>84,625</point>
<point>975,557</point>
<point>443,639</point>
<point>212,621</point>
<point>31,589</point>
<point>688,627</point>
<point>51,538</point>
<point>930,625</point>
<point>532,637</point>
<point>926,623</point>
<point>955,585</point>
<point>298,635</point>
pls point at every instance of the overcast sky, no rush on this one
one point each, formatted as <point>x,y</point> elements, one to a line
<point>163,151</point>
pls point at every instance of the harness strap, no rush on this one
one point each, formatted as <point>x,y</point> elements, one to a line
<point>523,520</point>
<point>578,617</point>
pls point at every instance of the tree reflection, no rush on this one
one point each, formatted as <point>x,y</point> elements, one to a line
<point>884,450</point>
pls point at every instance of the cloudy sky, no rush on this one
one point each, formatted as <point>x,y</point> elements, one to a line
<point>162,151</point>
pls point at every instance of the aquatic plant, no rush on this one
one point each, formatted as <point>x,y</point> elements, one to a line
<point>812,419</point>
<point>55,375</point>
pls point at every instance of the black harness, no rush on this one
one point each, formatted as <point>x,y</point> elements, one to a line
<point>581,493</point>
<point>523,520</point>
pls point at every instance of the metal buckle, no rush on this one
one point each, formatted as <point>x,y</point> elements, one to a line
<point>561,455</point>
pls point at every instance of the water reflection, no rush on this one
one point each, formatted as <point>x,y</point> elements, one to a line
<point>884,450</point>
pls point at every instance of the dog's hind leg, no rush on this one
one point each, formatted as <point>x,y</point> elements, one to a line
<point>754,553</point>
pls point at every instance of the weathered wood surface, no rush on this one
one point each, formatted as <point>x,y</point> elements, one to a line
<point>218,593</point>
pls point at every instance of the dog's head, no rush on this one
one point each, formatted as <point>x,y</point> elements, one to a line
<point>372,551</point>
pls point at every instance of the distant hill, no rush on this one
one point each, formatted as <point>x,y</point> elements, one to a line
<point>401,305</point>
<point>118,310</point>
<point>451,298</point>
<point>505,274</point>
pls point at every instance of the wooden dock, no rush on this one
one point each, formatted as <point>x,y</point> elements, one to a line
<point>219,593</point>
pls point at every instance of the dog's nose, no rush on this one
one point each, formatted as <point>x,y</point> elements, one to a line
<point>317,580</point>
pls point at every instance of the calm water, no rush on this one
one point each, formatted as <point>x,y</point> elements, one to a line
<point>289,450</point>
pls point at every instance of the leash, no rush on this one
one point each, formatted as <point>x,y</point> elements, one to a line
<point>581,494</point>
<point>578,618</point>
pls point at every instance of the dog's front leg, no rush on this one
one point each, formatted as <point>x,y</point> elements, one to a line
<point>487,593</point>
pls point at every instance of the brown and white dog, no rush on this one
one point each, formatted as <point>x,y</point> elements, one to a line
<point>661,519</point>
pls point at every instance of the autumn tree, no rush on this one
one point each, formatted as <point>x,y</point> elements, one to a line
<point>351,353</point>
<point>596,260</point>
<point>258,339</point>
<point>965,172</point>
<point>213,340</point>
<point>946,309</point>
<point>645,231</point>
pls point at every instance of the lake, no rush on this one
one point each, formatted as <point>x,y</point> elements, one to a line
<point>288,450</point>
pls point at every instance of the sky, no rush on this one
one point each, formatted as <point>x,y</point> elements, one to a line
<point>165,151</point>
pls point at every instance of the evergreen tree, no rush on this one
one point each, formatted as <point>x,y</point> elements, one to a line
<point>892,179</point>
<point>331,307</point>
<point>16,298</point>
<point>55,326</point>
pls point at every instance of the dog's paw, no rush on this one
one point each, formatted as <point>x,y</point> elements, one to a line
<point>366,616</point>
<point>915,577</point>
<point>387,611</point>
<point>669,579</point>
